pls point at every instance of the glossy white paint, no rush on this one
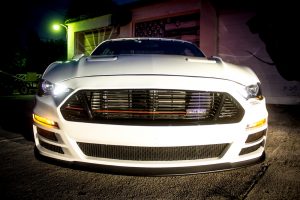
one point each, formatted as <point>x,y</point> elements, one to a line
<point>151,72</point>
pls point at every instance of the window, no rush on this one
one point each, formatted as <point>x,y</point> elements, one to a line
<point>186,27</point>
<point>87,41</point>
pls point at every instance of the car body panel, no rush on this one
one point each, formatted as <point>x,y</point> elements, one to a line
<point>242,141</point>
<point>150,65</point>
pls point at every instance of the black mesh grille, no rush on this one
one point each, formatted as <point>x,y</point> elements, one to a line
<point>46,134</point>
<point>252,148</point>
<point>152,153</point>
<point>173,107</point>
<point>51,147</point>
<point>256,136</point>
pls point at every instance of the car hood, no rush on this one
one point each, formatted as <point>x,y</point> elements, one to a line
<point>149,65</point>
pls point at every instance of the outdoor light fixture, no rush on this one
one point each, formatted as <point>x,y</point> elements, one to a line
<point>56,27</point>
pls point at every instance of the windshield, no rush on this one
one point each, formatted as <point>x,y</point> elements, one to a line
<point>166,47</point>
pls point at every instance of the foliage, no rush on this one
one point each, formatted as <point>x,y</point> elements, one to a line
<point>33,54</point>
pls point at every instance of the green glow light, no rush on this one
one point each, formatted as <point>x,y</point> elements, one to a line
<point>56,27</point>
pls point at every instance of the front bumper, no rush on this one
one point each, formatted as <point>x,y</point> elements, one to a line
<point>113,147</point>
<point>138,171</point>
<point>239,150</point>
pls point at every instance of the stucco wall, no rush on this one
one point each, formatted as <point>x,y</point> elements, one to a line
<point>208,29</point>
<point>235,43</point>
<point>164,9</point>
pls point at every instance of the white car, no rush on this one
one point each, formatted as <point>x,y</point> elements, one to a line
<point>150,106</point>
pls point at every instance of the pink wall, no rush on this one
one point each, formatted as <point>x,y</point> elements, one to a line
<point>235,40</point>
<point>208,29</point>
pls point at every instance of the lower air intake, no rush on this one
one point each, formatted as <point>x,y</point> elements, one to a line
<point>152,153</point>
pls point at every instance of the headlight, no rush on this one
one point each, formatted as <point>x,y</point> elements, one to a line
<point>251,91</point>
<point>58,91</point>
<point>48,88</point>
<point>45,88</point>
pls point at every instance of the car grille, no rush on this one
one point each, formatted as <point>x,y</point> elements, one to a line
<point>150,106</point>
<point>152,153</point>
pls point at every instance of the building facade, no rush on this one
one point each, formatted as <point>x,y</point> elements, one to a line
<point>221,32</point>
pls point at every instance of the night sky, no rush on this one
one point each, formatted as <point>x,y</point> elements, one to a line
<point>39,16</point>
<point>43,14</point>
<point>28,40</point>
<point>22,17</point>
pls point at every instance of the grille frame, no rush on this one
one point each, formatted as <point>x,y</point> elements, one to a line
<point>152,107</point>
